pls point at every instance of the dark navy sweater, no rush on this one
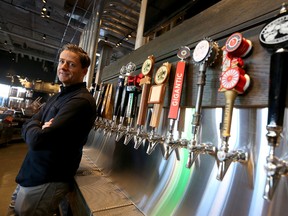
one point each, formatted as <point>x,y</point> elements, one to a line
<point>55,152</point>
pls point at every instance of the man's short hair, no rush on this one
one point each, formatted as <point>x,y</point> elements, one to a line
<point>84,58</point>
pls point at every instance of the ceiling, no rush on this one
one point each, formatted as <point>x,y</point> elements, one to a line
<point>24,32</point>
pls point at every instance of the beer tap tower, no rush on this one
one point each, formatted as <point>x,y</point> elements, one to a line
<point>170,144</point>
<point>106,109</point>
<point>117,100</point>
<point>274,37</point>
<point>156,97</point>
<point>233,81</point>
<point>204,55</point>
<point>133,90</point>
<point>99,122</point>
<point>147,71</point>
<point>121,129</point>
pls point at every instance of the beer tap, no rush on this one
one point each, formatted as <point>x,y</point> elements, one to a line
<point>274,37</point>
<point>134,90</point>
<point>99,120</point>
<point>147,71</point>
<point>170,144</point>
<point>106,110</point>
<point>117,101</point>
<point>204,55</point>
<point>233,81</point>
<point>121,129</point>
<point>156,97</point>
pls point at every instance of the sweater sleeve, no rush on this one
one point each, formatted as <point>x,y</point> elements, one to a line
<point>69,126</point>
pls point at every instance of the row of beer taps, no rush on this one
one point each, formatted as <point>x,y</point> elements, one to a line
<point>130,86</point>
<point>117,115</point>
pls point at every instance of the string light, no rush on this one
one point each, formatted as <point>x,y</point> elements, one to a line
<point>45,13</point>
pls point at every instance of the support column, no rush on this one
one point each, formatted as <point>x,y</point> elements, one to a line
<point>97,11</point>
<point>105,56</point>
<point>140,40</point>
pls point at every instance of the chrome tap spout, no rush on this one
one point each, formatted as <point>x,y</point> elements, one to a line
<point>273,176</point>
<point>111,127</point>
<point>106,127</point>
<point>153,139</point>
<point>139,137</point>
<point>194,148</point>
<point>203,148</point>
<point>121,130</point>
<point>274,167</point>
<point>130,133</point>
<point>171,145</point>
<point>99,123</point>
<point>226,158</point>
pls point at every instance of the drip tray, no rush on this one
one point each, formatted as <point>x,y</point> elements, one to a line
<point>95,194</point>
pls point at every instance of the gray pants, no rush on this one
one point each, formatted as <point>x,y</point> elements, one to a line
<point>40,200</point>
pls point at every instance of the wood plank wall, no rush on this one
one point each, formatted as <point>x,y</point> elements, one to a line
<point>218,23</point>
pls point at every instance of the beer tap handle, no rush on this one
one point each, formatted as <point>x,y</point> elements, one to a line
<point>147,71</point>
<point>145,83</point>
<point>277,88</point>
<point>109,108</point>
<point>101,97</point>
<point>230,96</point>
<point>119,90</point>
<point>157,91</point>
<point>143,106</point>
<point>130,68</point>
<point>124,102</point>
<point>157,110</point>
<point>97,92</point>
<point>117,99</point>
<point>105,102</point>
<point>122,111</point>
<point>224,156</point>
<point>276,109</point>
<point>169,144</point>
<point>204,55</point>
<point>134,91</point>
<point>233,81</point>
<point>277,97</point>
<point>106,110</point>
<point>156,97</point>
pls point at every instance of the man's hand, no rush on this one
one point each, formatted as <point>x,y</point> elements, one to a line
<point>47,124</point>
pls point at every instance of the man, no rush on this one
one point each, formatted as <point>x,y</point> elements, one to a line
<point>55,136</point>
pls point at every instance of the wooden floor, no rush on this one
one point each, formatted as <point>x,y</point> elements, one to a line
<point>11,157</point>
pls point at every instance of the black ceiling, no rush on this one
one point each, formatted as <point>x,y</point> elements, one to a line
<point>24,34</point>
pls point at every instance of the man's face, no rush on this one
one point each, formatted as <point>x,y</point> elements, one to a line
<point>69,69</point>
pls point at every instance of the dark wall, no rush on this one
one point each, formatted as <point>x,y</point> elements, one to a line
<point>159,12</point>
<point>33,69</point>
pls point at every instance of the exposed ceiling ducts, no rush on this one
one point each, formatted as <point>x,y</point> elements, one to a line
<point>22,28</point>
